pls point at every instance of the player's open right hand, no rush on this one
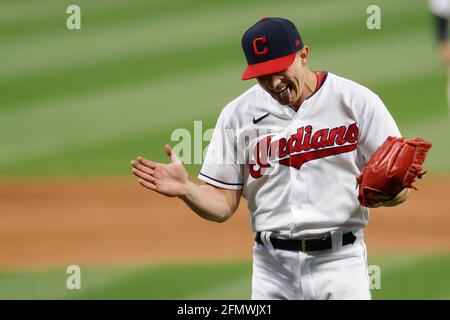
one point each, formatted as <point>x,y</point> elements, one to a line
<point>168,179</point>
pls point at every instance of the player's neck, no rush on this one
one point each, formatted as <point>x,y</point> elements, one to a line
<point>309,88</point>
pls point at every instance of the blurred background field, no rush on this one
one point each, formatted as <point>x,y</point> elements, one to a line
<point>411,277</point>
<point>85,102</point>
<point>226,280</point>
<point>81,104</point>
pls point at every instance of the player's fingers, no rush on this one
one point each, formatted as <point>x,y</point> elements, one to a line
<point>137,165</point>
<point>171,154</point>
<point>383,196</point>
<point>143,175</point>
<point>147,184</point>
<point>147,163</point>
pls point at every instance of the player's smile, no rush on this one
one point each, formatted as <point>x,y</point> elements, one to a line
<point>285,86</point>
<point>284,91</point>
<point>283,95</point>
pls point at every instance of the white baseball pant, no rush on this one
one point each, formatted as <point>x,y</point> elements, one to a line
<point>339,273</point>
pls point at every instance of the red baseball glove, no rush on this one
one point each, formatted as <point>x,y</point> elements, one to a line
<point>393,167</point>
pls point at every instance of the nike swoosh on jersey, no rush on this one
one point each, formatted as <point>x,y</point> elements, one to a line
<point>255,121</point>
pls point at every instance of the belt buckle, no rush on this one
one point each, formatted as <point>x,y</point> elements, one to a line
<point>303,244</point>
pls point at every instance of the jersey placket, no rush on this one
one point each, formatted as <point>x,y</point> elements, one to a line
<point>299,186</point>
<point>297,178</point>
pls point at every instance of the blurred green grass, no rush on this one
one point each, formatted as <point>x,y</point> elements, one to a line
<point>86,102</point>
<point>402,277</point>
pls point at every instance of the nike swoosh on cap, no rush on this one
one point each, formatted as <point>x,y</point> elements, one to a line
<point>255,121</point>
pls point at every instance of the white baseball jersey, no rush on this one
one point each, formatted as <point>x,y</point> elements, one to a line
<point>298,170</point>
<point>441,8</point>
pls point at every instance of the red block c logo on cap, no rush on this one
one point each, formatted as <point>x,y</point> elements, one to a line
<point>255,46</point>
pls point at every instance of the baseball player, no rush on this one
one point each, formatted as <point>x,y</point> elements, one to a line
<point>441,12</point>
<point>292,145</point>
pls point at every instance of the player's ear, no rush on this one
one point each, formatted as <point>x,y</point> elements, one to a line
<point>304,55</point>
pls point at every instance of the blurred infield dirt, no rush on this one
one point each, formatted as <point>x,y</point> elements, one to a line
<point>115,221</point>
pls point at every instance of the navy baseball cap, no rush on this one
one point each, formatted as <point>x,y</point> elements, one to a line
<point>270,46</point>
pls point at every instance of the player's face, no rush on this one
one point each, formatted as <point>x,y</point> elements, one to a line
<point>286,86</point>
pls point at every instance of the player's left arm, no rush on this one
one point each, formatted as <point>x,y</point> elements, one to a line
<point>377,123</point>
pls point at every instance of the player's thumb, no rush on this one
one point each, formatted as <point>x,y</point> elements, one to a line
<point>171,154</point>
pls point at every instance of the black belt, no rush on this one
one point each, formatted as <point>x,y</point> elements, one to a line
<point>316,244</point>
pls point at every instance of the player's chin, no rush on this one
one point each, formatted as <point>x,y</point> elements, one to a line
<point>283,103</point>
<point>280,100</point>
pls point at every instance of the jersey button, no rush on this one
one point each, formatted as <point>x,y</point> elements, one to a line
<point>298,176</point>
